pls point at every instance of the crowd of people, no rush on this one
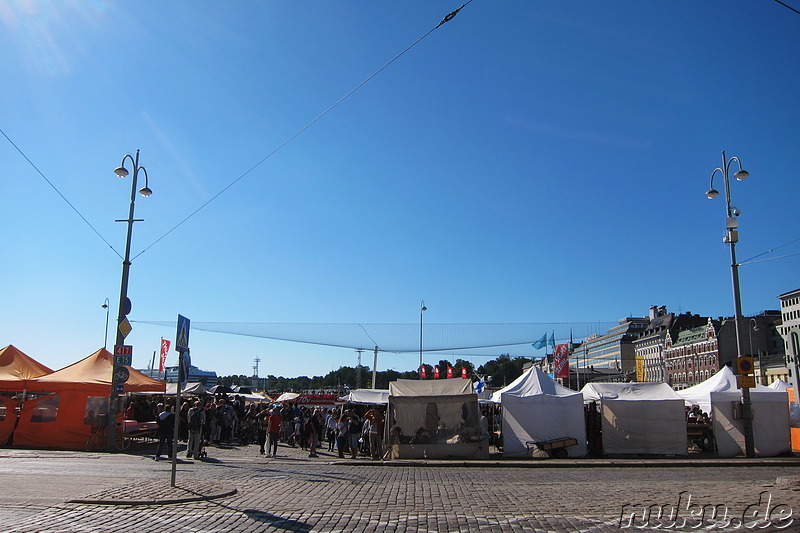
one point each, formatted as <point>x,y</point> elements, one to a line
<point>229,420</point>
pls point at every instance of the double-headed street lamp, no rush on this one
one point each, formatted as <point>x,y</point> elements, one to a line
<point>422,309</point>
<point>123,327</point>
<point>732,237</point>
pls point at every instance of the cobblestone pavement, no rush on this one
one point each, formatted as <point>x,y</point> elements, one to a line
<point>238,490</point>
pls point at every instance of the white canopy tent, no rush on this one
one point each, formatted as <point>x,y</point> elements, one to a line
<point>770,423</point>
<point>779,385</point>
<point>190,388</point>
<point>435,419</point>
<point>537,409</point>
<point>724,380</point>
<point>640,418</point>
<point>367,396</point>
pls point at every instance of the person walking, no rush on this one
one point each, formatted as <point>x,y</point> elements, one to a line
<point>274,430</point>
<point>314,426</point>
<point>196,420</point>
<point>166,430</point>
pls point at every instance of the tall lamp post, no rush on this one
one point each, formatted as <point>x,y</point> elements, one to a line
<point>751,327</point>
<point>422,309</point>
<point>123,327</point>
<point>732,237</point>
<point>107,308</point>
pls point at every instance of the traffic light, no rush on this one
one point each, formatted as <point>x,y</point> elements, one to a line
<point>744,366</point>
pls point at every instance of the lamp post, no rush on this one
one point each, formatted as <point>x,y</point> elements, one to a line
<point>732,237</point>
<point>753,326</point>
<point>107,308</point>
<point>422,309</point>
<point>124,303</point>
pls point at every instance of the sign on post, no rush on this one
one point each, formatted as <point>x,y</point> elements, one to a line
<point>123,355</point>
<point>182,336</point>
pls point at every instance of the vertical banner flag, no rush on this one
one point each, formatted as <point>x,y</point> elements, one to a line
<point>464,373</point>
<point>436,372</point>
<point>561,361</point>
<point>449,371</point>
<point>552,342</point>
<point>423,372</point>
<point>163,359</point>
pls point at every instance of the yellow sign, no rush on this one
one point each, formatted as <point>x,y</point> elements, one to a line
<point>125,327</point>
<point>746,382</point>
<point>640,376</point>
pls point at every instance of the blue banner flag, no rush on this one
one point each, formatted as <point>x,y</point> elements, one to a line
<point>552,339</point>
<point>541,343</point>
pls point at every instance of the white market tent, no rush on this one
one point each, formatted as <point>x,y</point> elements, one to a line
<point>779,385</point>
<point>537,409</point>
<point>716,396</point>
<point>190,388</point>
<point>367,396</point>
<point>435,419</point>
<point>640,418</point>
<point>724,380</point>
<point>771,434</point>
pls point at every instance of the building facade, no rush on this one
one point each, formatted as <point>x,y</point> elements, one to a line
<point>613,350</point>
<point>693,356</point>
<point>790,332</point>
<point>649,347</point>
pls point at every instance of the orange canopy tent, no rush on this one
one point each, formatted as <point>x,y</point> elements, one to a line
<point>16,368</point>
<point>73,398</point>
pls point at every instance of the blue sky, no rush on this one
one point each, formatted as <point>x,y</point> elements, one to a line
<point>526,162</point>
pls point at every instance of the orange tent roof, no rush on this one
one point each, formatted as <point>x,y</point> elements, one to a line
<point>16,366</point>
<point>94,372</point>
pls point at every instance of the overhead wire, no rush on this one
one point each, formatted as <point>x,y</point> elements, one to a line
<point>444,20</point>
<point>32,164</point>
<point>751,260</point>
<point>787,6</point>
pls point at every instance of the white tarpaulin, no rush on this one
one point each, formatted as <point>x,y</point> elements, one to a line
<point>770,423</point>
<point>640,418</point>
<point>367,396</point>
<point>537,409</point>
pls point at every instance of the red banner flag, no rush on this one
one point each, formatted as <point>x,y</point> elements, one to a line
<point>449,371</point>
<point>163,359</point>
<point>561,361</point>
<point>464,373</point>
<point>423,372</point>
<point>436,372</point>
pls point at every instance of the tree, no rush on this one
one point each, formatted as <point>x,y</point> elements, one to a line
<point>504,369</point>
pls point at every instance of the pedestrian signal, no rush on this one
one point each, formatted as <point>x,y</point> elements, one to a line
<point>744,366</point>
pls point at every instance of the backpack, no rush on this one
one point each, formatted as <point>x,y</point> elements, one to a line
<point>195,422</point>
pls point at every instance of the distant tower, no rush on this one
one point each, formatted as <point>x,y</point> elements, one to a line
<point>254,381</point>
<point>358,370</point>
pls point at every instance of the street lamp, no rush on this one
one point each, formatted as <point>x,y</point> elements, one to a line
<point>123,327</point>
<point>753,326</point>
<point>422,309</point>
<point>107,308</point>
<point>732,237</point>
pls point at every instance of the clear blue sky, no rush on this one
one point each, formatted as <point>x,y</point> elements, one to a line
<point>526,162</point>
